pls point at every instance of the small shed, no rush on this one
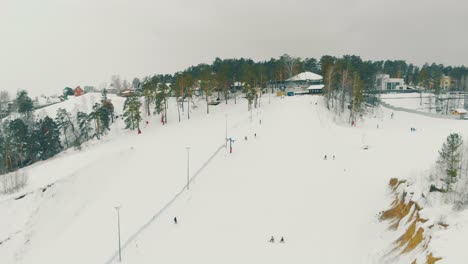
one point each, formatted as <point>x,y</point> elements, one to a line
<point>459,111</point>
<point>127,93</point>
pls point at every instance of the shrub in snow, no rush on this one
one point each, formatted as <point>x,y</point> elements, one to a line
<point>13,182</point>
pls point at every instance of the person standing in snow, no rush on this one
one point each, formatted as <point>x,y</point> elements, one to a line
<point>175,220</point>
<point>255,135</point>
<point>272,239</point>
<point>282,240</point>
<point>391,116</point>
<point>325,157</point>
<point>333,157</point>
<point>139,131</point>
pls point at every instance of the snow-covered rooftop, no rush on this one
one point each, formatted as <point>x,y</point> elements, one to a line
<point>305,76</point>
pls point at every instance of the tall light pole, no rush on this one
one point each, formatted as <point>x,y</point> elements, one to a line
<point>118,228</point>
<point>188,166</point>
<point>226,137</point>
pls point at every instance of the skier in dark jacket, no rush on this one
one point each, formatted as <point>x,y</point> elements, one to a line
<point>272,239</point>
<point>175,220</point>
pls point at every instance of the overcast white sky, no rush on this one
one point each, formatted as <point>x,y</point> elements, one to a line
<point>49,44</point>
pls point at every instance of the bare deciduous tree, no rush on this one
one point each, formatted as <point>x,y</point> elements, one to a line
<point>289,63</point>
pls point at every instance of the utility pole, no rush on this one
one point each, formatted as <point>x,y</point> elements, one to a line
<point>188,166</point>
<point>118,228</point>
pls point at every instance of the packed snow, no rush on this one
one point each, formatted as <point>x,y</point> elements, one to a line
<point>275,183</point>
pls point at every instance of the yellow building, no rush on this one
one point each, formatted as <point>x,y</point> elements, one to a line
<point>445,82</point>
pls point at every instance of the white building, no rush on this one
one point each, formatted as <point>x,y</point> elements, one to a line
<point>301,82</point>
<point>384,82</point>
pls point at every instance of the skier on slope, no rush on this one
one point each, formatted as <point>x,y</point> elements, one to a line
<point>325,157</point>
<point>272,239</point>
<point>175,220</point>
<point>139,131</point>
<point>282,240</point>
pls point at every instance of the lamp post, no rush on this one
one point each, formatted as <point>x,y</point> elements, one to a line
<point>188,166</point>
<point>118,231</point>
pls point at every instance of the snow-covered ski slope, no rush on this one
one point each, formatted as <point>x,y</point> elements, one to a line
<point>276,184</point>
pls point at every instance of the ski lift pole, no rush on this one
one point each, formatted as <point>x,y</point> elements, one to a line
<point>231,140</point>
<point>117,208</point>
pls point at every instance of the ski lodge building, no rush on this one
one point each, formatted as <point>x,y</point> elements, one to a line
<point>304,83</point>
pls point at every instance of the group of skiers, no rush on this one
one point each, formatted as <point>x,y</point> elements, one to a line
<point>255,136</point>
<point>272,240</point>
<point>147,123</point>
<point>325,157</point>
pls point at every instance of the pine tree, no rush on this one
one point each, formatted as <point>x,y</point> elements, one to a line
<point>3,163</point>
<point>25,104</point>
<point>96,116</point>
<point>450,158</point>
<point>105,117</point>
<point>161,100</point>
<point>18,137</point>
<point>84,124</point>
<point>206,86</point>
<point>250,94</point>
<point>132,114</point>
<point>47,138</point>
<point>358,99</point>
<point>65,123</point>
<point>104,94</point>
<point>149,92</point>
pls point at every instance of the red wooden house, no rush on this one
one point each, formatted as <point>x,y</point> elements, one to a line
<point>78,91</point>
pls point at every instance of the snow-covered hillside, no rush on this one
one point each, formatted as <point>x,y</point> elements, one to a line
<point>276,183</point>
<point>82,103</point>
